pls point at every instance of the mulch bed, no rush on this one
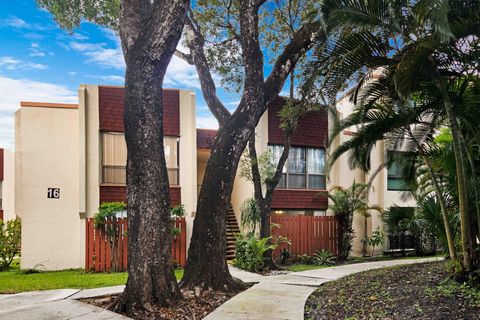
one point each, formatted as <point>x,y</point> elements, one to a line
<point>189,308</point>
<point>418,291</point>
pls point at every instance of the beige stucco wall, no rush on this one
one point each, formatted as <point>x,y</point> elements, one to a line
<point>342,174</point>
<point>187,154</point>
<point>47,156</point>
<point>89,150</point>
<point>8,185</point>
<point>242,188</point>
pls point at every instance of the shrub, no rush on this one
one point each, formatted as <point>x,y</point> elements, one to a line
<point>10,236</point>
<point>250,215</point>
<point>108,210</point>
<point>375,240</point>
<point>324,258</point>
<point>177,212</point>
<point>306,259</point>
<point>250,251</point>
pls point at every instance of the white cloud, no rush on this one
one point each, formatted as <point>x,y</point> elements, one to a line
<point>11,63</point>
<point>16,22</point>
<point>208,122</point>
<point>16,90</point>
<point>35,51</point>
<point>36,54</point>
<point>179,74</point>
<point>111,78</point>
<point>99,53</point>
<point>72,73</point>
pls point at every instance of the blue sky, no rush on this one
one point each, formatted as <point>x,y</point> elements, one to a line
<point>41,62</point>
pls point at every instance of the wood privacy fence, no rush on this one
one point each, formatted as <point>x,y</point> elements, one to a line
<point>307,234</point>
<point>107,245</point>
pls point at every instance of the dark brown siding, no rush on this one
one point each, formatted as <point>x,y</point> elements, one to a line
<point>119,193</point>
<point>206,138</point>
<point>1,164</point>
<point>298,199</point>
<point>312,129</point>
<point>111,110</point>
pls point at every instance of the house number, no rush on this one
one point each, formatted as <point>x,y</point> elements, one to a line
<point>53,193</point>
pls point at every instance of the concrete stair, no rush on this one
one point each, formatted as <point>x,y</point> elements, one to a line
<point>232,230</point>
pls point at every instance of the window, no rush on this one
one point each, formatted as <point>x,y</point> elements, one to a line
<point>395,180</point>
<point>114,158</point>
<point>304,168</point>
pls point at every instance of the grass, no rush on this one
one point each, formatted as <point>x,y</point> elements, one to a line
<point>15,280</point>
<point>305,267</point>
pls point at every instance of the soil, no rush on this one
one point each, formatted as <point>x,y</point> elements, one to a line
<point>190,307</point>
<point>418,291</point>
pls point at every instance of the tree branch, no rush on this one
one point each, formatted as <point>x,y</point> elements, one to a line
<point>272,184</point>
<point>249,41</point>
<point>302,41</point>
<point>184,56</point>
<point>195,43</point>
<point>257,182</point>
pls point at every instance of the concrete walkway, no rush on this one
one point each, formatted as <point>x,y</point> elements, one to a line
<point>284,296</point>
<point>56,304</point>
<point>273,297</point>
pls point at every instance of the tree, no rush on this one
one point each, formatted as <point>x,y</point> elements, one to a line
<point>149,32</point>
<point>231,30</point>
<point>408,45</point>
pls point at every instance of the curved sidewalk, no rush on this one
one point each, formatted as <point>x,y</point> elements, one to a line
<point>273,297</point>
<point>284,296</point>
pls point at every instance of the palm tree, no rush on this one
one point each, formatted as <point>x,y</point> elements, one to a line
<point>403,47</point>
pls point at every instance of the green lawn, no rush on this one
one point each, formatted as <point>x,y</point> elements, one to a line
<point>304,267</point>
<point>15,280</point>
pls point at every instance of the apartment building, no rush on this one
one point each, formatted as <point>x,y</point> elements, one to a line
<point>7,185</point>
<point>70,158</point>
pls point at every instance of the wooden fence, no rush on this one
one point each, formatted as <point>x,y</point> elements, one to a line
<point>106,252</point>
<point>307,234</point>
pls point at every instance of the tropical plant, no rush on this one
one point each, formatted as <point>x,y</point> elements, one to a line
<point>108,210</point>
<point>306,259</point>
<point>345,202</point>
<point>250,215</point>
<point>10,236</point>
<point>324,258</point>
<point>249,252</point>
<point>376,239</point>
<point>413,51</point>
<point>177,212</point>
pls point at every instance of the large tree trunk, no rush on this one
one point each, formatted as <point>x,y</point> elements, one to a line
<point>265,201</point>
<point>206,265</point>
<point>149,35</point>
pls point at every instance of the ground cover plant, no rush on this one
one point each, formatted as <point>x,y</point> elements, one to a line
<point>15,280</point>
<point>417,291</point>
